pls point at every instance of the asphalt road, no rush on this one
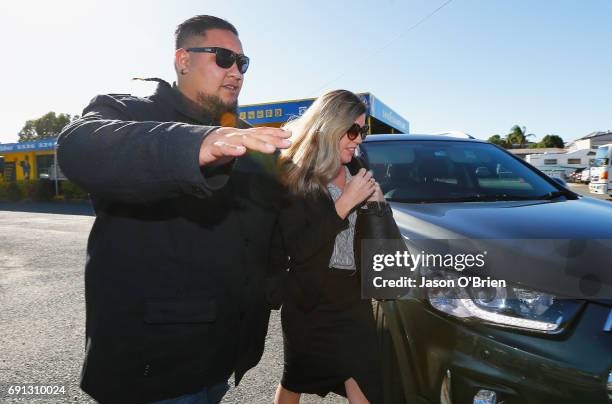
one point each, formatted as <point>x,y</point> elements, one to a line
<point>42,309</point>
<point>583,189</point>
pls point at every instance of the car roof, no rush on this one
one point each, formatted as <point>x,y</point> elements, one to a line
<point>412,136</point>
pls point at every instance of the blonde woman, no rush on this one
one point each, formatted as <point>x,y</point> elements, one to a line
<point>329,333</point>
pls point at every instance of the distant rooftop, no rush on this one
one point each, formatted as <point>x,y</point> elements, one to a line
<point>537,150</point>
<point>595,134</point>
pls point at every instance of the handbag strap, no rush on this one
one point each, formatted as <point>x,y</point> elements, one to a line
<point>356,164</point>
<point>375,208</point>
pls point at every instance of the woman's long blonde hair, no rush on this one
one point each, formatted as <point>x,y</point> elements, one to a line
<point>313,159</point>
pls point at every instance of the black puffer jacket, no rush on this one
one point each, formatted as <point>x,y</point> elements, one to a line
<point>177,256</point>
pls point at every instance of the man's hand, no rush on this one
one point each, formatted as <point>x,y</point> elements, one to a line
<point>223,144</point>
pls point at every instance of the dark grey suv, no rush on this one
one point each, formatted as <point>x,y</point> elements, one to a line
<point>531,341</point>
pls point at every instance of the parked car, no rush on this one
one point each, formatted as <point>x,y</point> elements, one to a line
<point>576,176</point>
<point>52,173</point>
<point>585,176</point>
<point>488,350</point>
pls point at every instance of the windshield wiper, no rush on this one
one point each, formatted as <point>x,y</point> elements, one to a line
<point>487,198</point>
<point>556,194</point>
<point>492,198</point>
<point>507,197</point>
<point>467,198</point>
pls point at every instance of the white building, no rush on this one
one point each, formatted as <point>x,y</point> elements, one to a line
<point>561,164</point>
<point>591,141</point>
<point>522,153</point>
<point>579,153</point>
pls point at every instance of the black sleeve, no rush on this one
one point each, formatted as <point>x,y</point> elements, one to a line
<point>111,155</point>
<point>304,241</point>
<point>277,270</point>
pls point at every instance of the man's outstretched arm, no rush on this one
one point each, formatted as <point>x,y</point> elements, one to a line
<point>115,157</point>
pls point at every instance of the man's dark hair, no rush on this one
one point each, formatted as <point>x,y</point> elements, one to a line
<point>198,25</point>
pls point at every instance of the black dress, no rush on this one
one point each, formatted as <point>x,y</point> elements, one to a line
<point>329,332</point>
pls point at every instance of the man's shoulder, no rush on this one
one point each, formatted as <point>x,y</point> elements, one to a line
<point>129,99</point>
<point>120,99</point>
<point>138,108</point>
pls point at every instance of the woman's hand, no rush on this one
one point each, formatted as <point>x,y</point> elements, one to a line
<point>361,187</point>
<point>377,196</point>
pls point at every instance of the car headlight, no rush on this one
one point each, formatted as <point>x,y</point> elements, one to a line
<point>509,306</point>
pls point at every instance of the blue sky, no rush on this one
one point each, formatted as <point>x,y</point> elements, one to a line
<point>478,66</point>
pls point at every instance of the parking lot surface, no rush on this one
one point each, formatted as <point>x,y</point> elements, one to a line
<point>42,256</point>
<point>583,189</point>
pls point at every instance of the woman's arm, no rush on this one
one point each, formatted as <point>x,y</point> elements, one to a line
<point>304,236</point>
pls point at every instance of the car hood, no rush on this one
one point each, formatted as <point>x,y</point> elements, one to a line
<point>586,221</point>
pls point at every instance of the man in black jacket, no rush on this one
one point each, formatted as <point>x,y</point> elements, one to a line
<point>185,204</point>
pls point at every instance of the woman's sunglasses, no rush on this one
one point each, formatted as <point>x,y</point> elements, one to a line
<point>225,58</point>
<point>356,130</point>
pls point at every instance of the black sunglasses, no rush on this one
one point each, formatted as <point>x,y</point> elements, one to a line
<point>356,130</point>
<point>225,58</point>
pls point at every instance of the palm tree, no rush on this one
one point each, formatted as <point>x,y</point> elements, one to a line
<point>518,135</point>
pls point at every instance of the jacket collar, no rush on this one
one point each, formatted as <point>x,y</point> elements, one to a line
<point>183,105</point>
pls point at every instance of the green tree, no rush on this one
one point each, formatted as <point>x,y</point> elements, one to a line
<point>552,141</point>
<point>48,125</point>
<point>518,135</point>
<point>498,140</point>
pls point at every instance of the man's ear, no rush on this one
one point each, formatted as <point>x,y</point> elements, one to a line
<point>181,61</point>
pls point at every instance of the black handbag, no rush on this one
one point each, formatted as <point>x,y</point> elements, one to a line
<point>375,225</point>
<point>377,235</point>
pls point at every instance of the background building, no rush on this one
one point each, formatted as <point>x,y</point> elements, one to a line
<point>27,160</point>
<point>381,118</point>
<point>591,141</point>
<point>35,160</point>
<point>579,153</point>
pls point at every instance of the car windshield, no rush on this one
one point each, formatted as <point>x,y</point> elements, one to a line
<point>449,171</point>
